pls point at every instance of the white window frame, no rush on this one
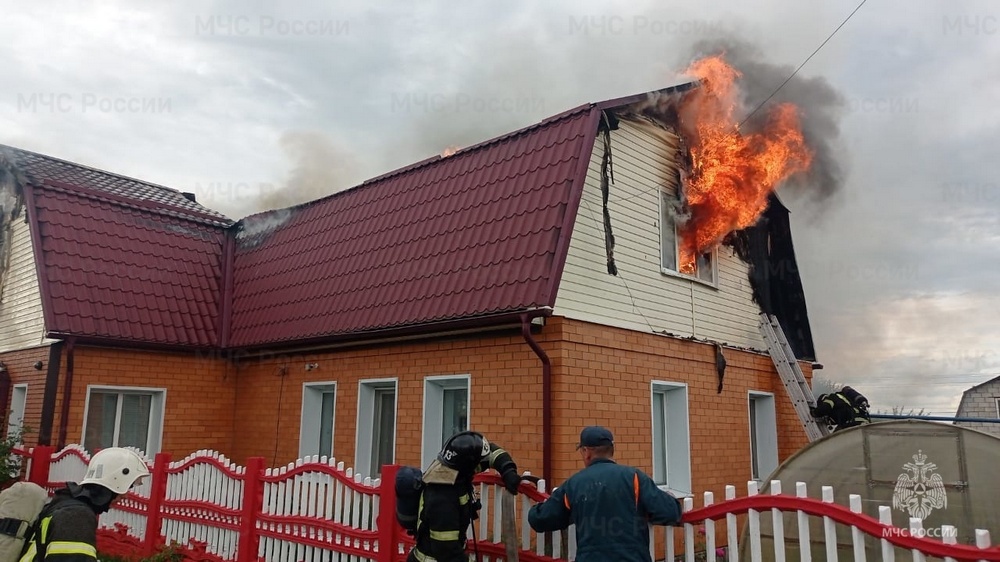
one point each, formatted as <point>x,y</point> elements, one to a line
<point>675,476</point>
<point>18,404</point>
<point>763,434</point>
<point>363,444</point>
<point>667,219</point>
<point>312,409</point>
<point>434,388</point>
<point>157,408</point>
<point>997,400</point>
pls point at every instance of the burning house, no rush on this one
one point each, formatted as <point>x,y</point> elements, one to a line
<point>606,265</point>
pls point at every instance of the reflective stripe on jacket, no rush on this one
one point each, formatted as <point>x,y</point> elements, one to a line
<point>612,506</point>
<point>67,532</point>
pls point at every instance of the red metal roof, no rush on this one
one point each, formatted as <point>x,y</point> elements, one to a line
<point>481,232</point>
<point>120,259</point>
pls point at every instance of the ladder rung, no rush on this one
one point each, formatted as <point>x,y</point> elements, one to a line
<point>788,369</point>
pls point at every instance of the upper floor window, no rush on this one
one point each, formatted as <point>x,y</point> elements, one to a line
<point>702,268</point>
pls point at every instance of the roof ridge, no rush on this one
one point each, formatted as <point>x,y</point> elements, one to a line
<point>6,147</point>
<point>159,208</point>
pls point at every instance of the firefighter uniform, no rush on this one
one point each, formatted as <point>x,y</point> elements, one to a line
<point>846,408</point>
<point>448,503</point>
<point>66,530</point>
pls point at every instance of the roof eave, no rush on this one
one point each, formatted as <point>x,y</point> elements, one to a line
<point>511,319</point>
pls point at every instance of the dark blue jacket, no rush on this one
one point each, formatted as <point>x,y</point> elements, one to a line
<point>612,506</point>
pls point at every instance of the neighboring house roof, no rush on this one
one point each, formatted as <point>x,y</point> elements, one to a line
<point>120,259</point>
<point>481,232</point>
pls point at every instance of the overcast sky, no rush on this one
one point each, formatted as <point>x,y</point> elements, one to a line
<point>261,104</point>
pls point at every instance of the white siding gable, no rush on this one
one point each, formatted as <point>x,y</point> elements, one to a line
<point>21,322</point>
<point>641,297</point>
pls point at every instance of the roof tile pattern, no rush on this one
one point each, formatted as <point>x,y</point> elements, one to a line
<point>41,168</point>
<point>122,259</point>
<point>472,234</point>
<point>116,272</point>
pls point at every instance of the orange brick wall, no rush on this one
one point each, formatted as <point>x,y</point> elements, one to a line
<point>200,393</point>
<point>604,376</point>
<point>601,375</point>
<point>505,405</point>
<point>20,367</point>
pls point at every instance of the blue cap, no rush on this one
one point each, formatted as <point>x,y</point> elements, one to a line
<point>595,436</point>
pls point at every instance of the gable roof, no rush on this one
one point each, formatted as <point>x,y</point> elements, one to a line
<point>481,232</point>
<point>120,259</point>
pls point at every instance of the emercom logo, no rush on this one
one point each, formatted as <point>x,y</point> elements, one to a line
<point>919,490</point>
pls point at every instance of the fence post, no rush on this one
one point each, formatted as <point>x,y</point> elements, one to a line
<point>387,540</point>
<point>154,513</point>
<point>253,498</point>
<point>41,460</point>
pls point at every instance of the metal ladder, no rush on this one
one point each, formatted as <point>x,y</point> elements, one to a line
<point>791,376</point>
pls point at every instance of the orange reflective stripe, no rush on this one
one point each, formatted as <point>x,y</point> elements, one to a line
<point>635,488</point>
<point>566,501</point>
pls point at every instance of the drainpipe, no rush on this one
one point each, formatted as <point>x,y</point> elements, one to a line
<point>546,398</point>
<point>49,395</point>
<point>67,394</point>
<point>4,391</point>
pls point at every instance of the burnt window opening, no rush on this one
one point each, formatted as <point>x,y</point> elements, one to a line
<point>705,266</point>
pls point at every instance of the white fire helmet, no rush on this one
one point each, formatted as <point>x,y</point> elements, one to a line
<point>115,468</point>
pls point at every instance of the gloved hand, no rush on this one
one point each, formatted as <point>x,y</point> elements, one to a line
<point>511,480</point>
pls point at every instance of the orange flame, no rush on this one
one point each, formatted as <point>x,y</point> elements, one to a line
<point>732,173</point>
<point>452,149</point>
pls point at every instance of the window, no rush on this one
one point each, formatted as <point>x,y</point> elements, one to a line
<point>376,438</point>
<point>446,412</point>
<point>18,399</point>
<point>763,435</point>
<point>704,267</point>
<point>319,402</point>
<point>671,443</point>
<point>998,407</point>
<point>124,417</point>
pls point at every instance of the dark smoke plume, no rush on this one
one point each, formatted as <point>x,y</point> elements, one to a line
<point>821,107</point>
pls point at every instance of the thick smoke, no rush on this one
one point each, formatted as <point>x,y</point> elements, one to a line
<point>821,107</point>
<point>320,168</point>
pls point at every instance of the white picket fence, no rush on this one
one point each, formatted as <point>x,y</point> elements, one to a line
<point>308,493</point>
<point>316,510</point>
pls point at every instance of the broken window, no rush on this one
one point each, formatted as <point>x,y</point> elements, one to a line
<point>703,267</point>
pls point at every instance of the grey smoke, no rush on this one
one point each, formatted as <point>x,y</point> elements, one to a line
<point>320,167</point>
<point>821,108</point>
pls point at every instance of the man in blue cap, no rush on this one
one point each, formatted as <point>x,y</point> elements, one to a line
<point>612,505</point>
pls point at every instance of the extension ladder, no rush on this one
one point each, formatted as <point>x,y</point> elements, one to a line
<point>791,376</point>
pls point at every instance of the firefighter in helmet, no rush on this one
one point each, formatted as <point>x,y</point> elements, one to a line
<point>844,408</point>
<point>448,503</point>
<point>68,523</point>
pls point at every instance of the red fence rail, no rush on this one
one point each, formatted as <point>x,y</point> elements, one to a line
<point>211,510</point>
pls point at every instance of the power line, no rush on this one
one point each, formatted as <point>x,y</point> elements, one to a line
<point>792,75</point>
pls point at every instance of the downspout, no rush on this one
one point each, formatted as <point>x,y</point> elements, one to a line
<point>49,395</point>
<point>546,397</point>
<point>67,394</point>
<point>4,392</point>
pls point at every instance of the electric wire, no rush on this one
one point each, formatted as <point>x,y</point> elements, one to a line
<point>796,71</point>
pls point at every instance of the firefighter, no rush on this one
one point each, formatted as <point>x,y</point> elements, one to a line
<point>448,503</point>
<point>844,408</point>
<point>68,523</point>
